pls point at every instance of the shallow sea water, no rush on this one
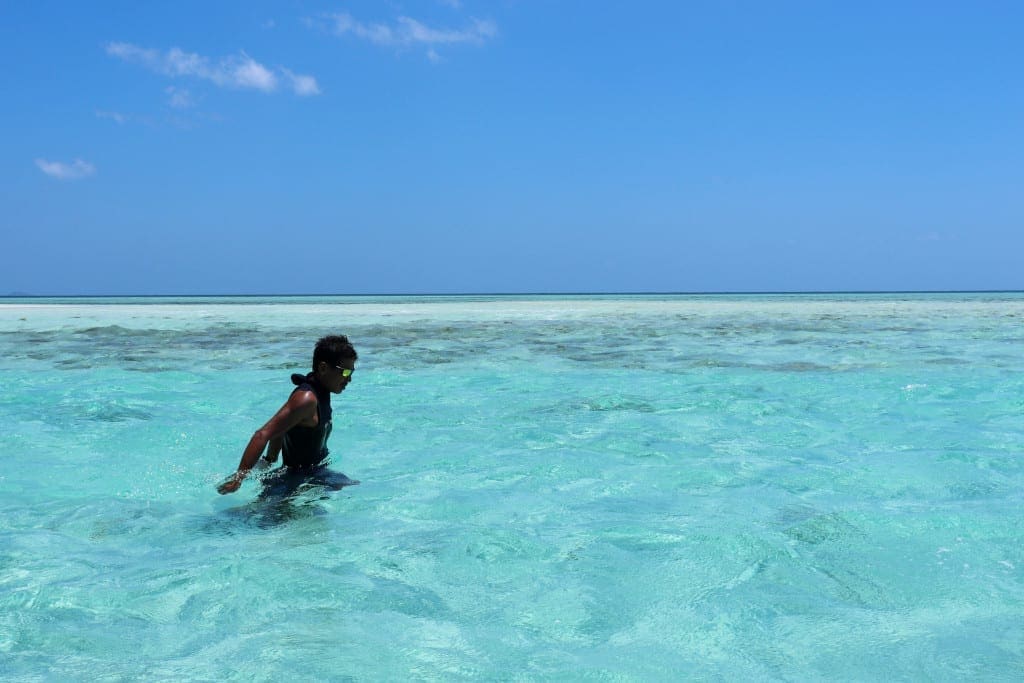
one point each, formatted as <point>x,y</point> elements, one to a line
<point>553,488</point>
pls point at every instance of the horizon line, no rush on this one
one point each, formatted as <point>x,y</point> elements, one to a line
<point>19,295</point>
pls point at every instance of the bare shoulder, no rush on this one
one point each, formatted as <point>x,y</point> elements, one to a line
<point>303,400</point>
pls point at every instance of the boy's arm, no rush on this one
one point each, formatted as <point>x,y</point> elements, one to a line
<point>300,406</point>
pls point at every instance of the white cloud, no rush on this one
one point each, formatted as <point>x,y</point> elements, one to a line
<point>303,86</point>
<point>76,170</point>
<point>477,33</point>
<point>236,71</point>
<point>245,73</point>
<point>434,57</point>
<point>375,33</point>
<point>408,31</point>
<point>179,98</point>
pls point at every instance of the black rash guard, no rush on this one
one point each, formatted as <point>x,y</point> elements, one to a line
<point>306,447</point>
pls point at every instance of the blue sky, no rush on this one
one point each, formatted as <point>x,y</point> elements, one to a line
<point>461,146</point>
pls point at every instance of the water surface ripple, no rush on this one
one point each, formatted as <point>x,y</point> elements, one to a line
<point>611,488</point>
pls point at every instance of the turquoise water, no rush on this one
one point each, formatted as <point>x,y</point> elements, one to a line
<point>579,488</point>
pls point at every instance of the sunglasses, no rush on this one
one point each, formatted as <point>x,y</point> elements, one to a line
<point>345,372</point>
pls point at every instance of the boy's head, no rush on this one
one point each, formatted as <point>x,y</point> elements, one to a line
<point>333,349</point>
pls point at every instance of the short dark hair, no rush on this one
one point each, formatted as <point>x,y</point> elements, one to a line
<point>333,348</point>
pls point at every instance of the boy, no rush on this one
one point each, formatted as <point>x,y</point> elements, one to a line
<point>303,424</point>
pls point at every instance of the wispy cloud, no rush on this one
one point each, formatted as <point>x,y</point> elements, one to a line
<point>407,32</point>
<point>179,98</point>
<point>76,170</point>
<point>236,71</point>
<point>114,116</point>
<point>301,85</point>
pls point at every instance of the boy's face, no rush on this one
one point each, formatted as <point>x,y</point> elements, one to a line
<point>336,376</point>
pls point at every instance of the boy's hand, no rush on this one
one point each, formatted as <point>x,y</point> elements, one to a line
<point>231,485</point>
